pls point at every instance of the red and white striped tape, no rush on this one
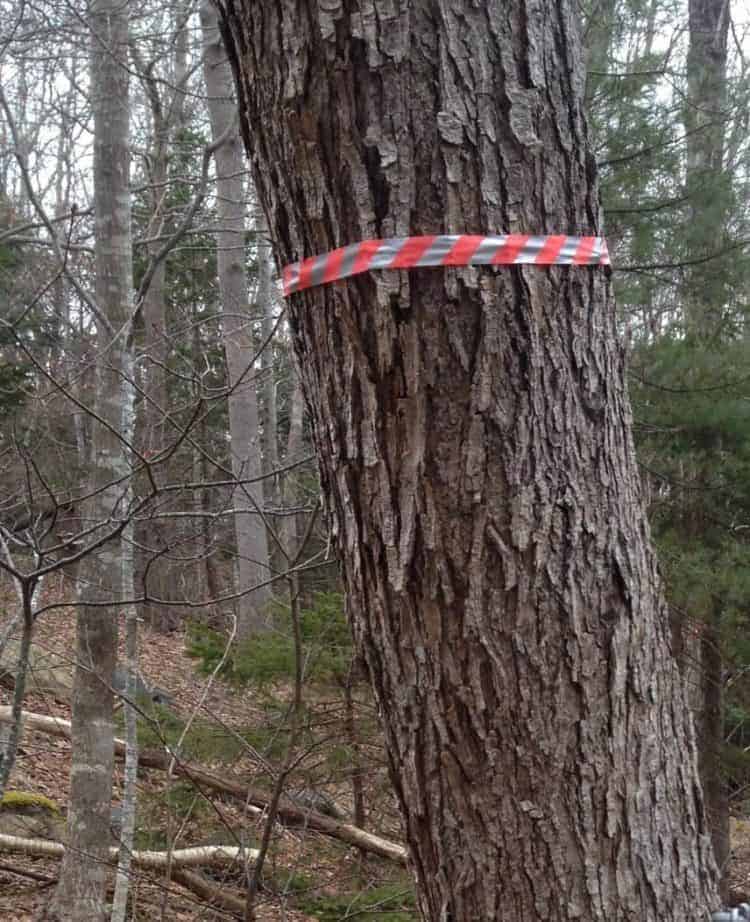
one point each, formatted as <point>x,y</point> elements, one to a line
<point>444,250</point>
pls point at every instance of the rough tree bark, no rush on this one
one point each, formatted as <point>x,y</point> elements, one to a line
<point>473,435</point>
<point>252,542</point>
<point>80,895</point>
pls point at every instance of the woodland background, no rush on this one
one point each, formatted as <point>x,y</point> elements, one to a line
<point>248,702</point>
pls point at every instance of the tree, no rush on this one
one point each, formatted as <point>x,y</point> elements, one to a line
<point>155,537</point>
<point>706,293</point>
<point>473,436</point>
<point>252,544</point>
<point>666,125</point>
<point>80,893</point>
<point>707,187</point>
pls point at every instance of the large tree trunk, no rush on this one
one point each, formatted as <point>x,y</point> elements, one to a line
<point>250,529</point>
<point>473,434</point>
<point>80,895</point>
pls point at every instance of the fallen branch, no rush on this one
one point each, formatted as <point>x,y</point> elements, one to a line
<point>288,813</point>
<point>199,856</point>
<point>25,872</point>
<point>209,892</point>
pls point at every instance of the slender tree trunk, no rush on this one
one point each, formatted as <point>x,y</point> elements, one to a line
<point>710,732</point>
<point>473,435</point>
<point>705,299</point>
<point>130,771</point>
<point>289,480</point>
<point>599,33</point>
<point>9,743</point>
<point>648,42</point>
<point>357,774</point>
<point>156,536</point>
<point>182,14</point>
<point>252,542</point>
<point>707,186</point>
<point>208,580</point>
<point>80,895</point>
<point>169,116</point>
<point>266,302</point>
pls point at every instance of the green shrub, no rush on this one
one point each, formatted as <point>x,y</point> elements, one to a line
<point>205,740</point>
<point>263,660</point>
<point>388,903</point>
<point>206,645</point>
<point>281,882</point>
<point>270,657</point>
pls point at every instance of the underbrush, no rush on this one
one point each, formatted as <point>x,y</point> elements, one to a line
<point>270,657</point>
<point>385,903</point>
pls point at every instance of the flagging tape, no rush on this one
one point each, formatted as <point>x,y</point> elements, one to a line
<point>444,250</point>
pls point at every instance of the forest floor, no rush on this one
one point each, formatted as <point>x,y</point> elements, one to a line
<point>739,868</point>
<point>303,869</point>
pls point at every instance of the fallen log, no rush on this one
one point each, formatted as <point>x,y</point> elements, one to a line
<point>195,857</point>
<point>210,892</point>
<point>288,812</point>
<point>178,860</point>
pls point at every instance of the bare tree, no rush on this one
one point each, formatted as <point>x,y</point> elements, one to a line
<point>80,893</point>
<point>166,103</point>
<point>252,543</point>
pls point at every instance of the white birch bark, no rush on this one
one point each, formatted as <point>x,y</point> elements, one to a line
<point>198,856</point>
<point>130,790</point>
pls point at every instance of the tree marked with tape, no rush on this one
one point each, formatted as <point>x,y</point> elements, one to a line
<point>444,250</point>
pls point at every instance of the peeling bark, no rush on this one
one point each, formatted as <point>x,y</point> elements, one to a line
<point>473,435</point>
